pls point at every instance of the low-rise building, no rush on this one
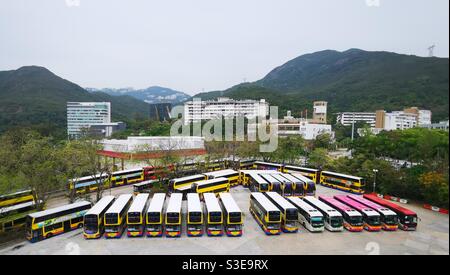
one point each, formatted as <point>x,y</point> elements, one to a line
<point>348,118</point>
<point>443,125</point>
<point>106,129</point>
<point>299,126</point>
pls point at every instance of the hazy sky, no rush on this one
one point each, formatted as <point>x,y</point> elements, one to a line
<point>192,45</point>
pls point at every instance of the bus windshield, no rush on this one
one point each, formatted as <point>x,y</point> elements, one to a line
<point>410,219</point>
<point>154,217</point>
<point>215,216</point>
<point>173,217</point>
<point>274,216</point>
<point>111,218</point>
<point>356,220</point>
<point>235,217</point>
<point>264,186</point>
<point>336,221</point>
<point>291,215</point>
<point>391,220</point>
<point>273,226</point>
<point>374,220</point>
<point>195,216</point>
<point>317,221</point>
<point>90,224</point>
<point>134,217</point>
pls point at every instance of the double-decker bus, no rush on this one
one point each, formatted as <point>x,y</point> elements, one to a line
<point>174,217</point>
<point>126,177</point>
<point>136,216</point>
<point>144,187</point>
<point>286,184</point>
<point>353,220</point>
<point>16,198</point>
<point>94,219</point>
<point>115,216</point>
<point>407,219</point>
<point>289,213</point>
<point>266,214</point>
<point>89,183</point>
<point>311,218</point>
<point>214,215</point>
<point>244,177</point>
<point>216,185</point>
<point>311,173</point>
<point>371,218</point>
<point>257,183</point>
<point>154,223</point>
<point>334,221</point>
<point>298,186</point>
<point>175,184</point>
<point>215,165</point>
<point>260,165</point>
<point>309,186</point>
<point>13,217</point>
<point>233,221</point>
<point>342,182</point>
<point>48,223</point>
<point>389,220</point>
<point>243,164</point>
<point>231,175</point>
<point>274,184</point>
<point>194,219</point>
<point>191,168</point>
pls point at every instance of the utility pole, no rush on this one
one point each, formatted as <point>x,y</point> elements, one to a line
<point>375,171</point>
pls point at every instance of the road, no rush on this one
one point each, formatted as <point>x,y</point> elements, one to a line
<point>432,237</point>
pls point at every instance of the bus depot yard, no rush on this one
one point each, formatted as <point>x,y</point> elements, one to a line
<point>431,237</point>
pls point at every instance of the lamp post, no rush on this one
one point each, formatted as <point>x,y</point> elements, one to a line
<point>375,171</point>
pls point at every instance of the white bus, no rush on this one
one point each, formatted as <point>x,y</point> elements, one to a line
<point>289,213</point>
<point>174,217</point>
<point>155,212</point>
<point>233,221</point>
<point>115,216</point>
<point>136,216</point>
<point>311,218</point>
<point>93,219</point>
<point>214,216</point>
<point>334,221</point>
<point>194,219</point>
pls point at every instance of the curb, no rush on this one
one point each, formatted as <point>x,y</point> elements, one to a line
<point>391,198</point>
<point>435,209</point>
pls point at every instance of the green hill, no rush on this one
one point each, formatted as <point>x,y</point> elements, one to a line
<point>354,80</point>
<point>35,97</point>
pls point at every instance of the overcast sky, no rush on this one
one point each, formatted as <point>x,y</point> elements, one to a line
<point>195,45</point>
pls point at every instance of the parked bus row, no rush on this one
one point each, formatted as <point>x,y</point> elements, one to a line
<point>14,208</point>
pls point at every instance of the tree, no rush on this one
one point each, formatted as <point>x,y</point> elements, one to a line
<point>323,141</point>
<point>319,158</point>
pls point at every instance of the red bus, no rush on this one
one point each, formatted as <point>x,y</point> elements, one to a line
<point>353,220</point>
<point>407,219</point>
<point>371,218</point>
<point>389,220</point>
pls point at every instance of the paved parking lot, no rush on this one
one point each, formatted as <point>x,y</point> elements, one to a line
<point>432,237</point>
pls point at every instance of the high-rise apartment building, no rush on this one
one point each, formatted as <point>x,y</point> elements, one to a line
<point>81,115</point>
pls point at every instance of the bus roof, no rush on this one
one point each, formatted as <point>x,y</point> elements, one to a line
<point>157,203</point>
<point>301,177</point>
<point>292,178</point>
<point>221,173</point>
<point>193,202</point>
<point>382,209</point>
<point>356,205</point>
<point>341,175</point>
<point>229,203</point>
<point>312,211</point>
<point>91,177</point>
<point>98,208</point>
<point>15,194</point>
<point>257,178</point>
<point>119,204</point>
<point>280,178</point>
<point>216,180</point>
<point>175,202</point>
<point>269,178</point>
<point>322,206</point>
<point>145,183</point>
<point>139,203</point>
<point>264,201</point>
<point>340,206</point>
<point>282,202</point>
<point>211,202</point>
<point>7,209</point>
<point>194,177</point>
<point>390,205</point>
<point>300,168</point>
<point>127,171</point>
<point>59,209</point>
<point>268,163</point>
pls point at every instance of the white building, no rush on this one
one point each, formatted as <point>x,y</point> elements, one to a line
<point>298,126</point>
<point>424,117</point>
<point>106,129</point>
<point>146,144</point>
<point>81,115</point>
<point>198,110</point>
<point>399,121</point>
<point>347,118</point>
<point>443,125</point>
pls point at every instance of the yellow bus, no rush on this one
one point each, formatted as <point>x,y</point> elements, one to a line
<point>16,198</point>
<point>136,216</point>
<point>311,173</point>
<point>174,184</point>
<point>232,175</point>
<point>214,216</point>
<point>217,185</point>
<point>13,217</point>
<point>154,223</point>
<point>266,214</point>
<point>174,216</point>
<point>260,165</point>
<point>194,219</point>
<point>289,213</point>
<point>93,220</point>
<point>232,215</point>
<point>342,182</point>
<point>125,177</point>
<point>115,216</point>
<point>48,223</point>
